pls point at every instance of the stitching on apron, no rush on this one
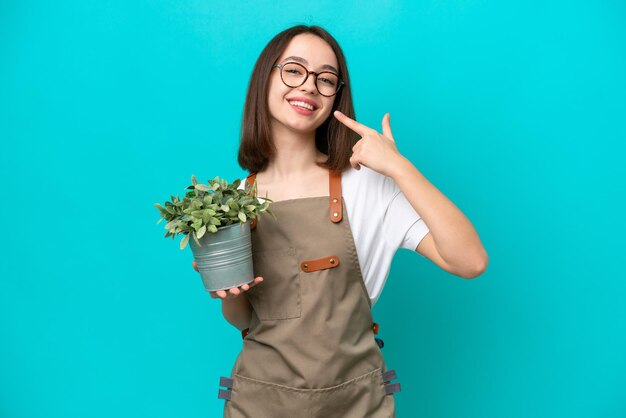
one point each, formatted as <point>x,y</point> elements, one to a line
<point>265,312</point>
<point>320,390</point>
<point>351,245</point>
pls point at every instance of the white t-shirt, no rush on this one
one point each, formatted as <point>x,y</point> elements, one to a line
<point>381,220</point>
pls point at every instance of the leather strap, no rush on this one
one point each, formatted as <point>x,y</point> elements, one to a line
<point>224,394</point>
<point>250,179</point>
<point>226,382</point>
<point>244,332</point>
<point>324,263</point>
<point>379,342</point>
<point>389,375</point>
<point>392,387</point>
<point>336,212</point>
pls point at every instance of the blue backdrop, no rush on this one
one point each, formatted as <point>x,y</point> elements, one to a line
<point>515,110</point>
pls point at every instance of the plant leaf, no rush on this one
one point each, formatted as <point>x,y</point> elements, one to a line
<point>184,241</point>
<point>202,187</point>
<point>201,231</point>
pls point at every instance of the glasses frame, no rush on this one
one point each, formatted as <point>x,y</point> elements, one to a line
<point>339,84</point>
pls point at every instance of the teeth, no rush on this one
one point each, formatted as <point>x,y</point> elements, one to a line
<point>301,104</point>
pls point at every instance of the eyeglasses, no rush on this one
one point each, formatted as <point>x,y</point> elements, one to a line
<point>295,75</point>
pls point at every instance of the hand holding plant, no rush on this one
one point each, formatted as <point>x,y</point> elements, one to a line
<point>233,291</point>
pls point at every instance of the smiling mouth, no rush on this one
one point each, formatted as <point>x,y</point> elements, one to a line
<point>302,105</point>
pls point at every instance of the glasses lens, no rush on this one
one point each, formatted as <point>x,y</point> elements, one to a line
<point>327,83</point>
<point>293,74</point>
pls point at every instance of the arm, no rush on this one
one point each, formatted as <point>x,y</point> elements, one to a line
<point>452,243</point>
<point>235,305</point>
<point>237,311</point>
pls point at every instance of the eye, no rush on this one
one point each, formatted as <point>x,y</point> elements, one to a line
<point>327,81</point>
<point>293,69</point>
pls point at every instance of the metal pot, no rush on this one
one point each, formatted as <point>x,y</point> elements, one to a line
<point>224,258</point>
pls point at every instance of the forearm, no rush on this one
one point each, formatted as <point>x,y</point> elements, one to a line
<point>456,239</point>
<point>237,311</point>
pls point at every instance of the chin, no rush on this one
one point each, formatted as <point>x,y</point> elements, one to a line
<point>302,126</point>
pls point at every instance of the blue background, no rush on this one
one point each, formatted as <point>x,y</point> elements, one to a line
<point>515,110</point>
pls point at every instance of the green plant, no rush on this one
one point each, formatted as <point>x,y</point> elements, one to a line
<point>205,207</point>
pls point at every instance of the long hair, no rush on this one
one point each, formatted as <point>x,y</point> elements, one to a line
<point>332,137</point>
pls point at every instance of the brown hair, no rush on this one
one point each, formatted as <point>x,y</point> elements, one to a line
<point>332,137</point>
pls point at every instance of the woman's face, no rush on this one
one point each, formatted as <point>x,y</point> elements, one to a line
<point>316,55</point>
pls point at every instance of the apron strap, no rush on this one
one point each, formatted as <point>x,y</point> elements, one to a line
<point>392,387</point>
<point>389,375</point>
<point>224,394</point>
<point>336,212</point>
<point>250,179</point>
<point>226,382</point>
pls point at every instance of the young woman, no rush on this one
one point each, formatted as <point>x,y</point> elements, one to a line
<point>345,200</point>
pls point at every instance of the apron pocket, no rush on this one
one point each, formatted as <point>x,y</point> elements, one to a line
<point>278,296</point>
<point>253,398</point>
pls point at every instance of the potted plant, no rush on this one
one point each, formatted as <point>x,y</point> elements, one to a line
<point>215,219</point>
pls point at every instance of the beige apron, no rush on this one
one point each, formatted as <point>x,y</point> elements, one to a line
<point>310,350</point>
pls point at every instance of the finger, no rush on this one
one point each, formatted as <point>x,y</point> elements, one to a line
<point>245,287</point>
<point>213,295</point>
<point>195,265</point>
<point>351,123</point>
<point>354,163</point>
<point>221,293</point>
<point>256,281</point>
<point>234,291</point>
<point>387,126</point>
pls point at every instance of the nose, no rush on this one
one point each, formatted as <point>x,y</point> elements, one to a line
<point>309,84</point>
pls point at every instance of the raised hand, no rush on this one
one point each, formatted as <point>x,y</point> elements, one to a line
<point>233,291</point>
<point>373,150</point>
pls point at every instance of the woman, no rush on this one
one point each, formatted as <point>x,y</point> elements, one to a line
<point>345,200</point>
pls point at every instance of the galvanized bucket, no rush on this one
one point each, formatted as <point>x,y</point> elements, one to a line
<point>224,258</point>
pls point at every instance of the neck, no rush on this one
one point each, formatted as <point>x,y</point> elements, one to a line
<point>296,155</point>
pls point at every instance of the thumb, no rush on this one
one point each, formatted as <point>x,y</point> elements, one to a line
<point>387,126</point>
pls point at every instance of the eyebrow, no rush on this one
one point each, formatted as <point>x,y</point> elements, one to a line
<point>303,61</point>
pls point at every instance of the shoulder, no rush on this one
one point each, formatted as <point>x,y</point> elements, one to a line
<point>367,183</point>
